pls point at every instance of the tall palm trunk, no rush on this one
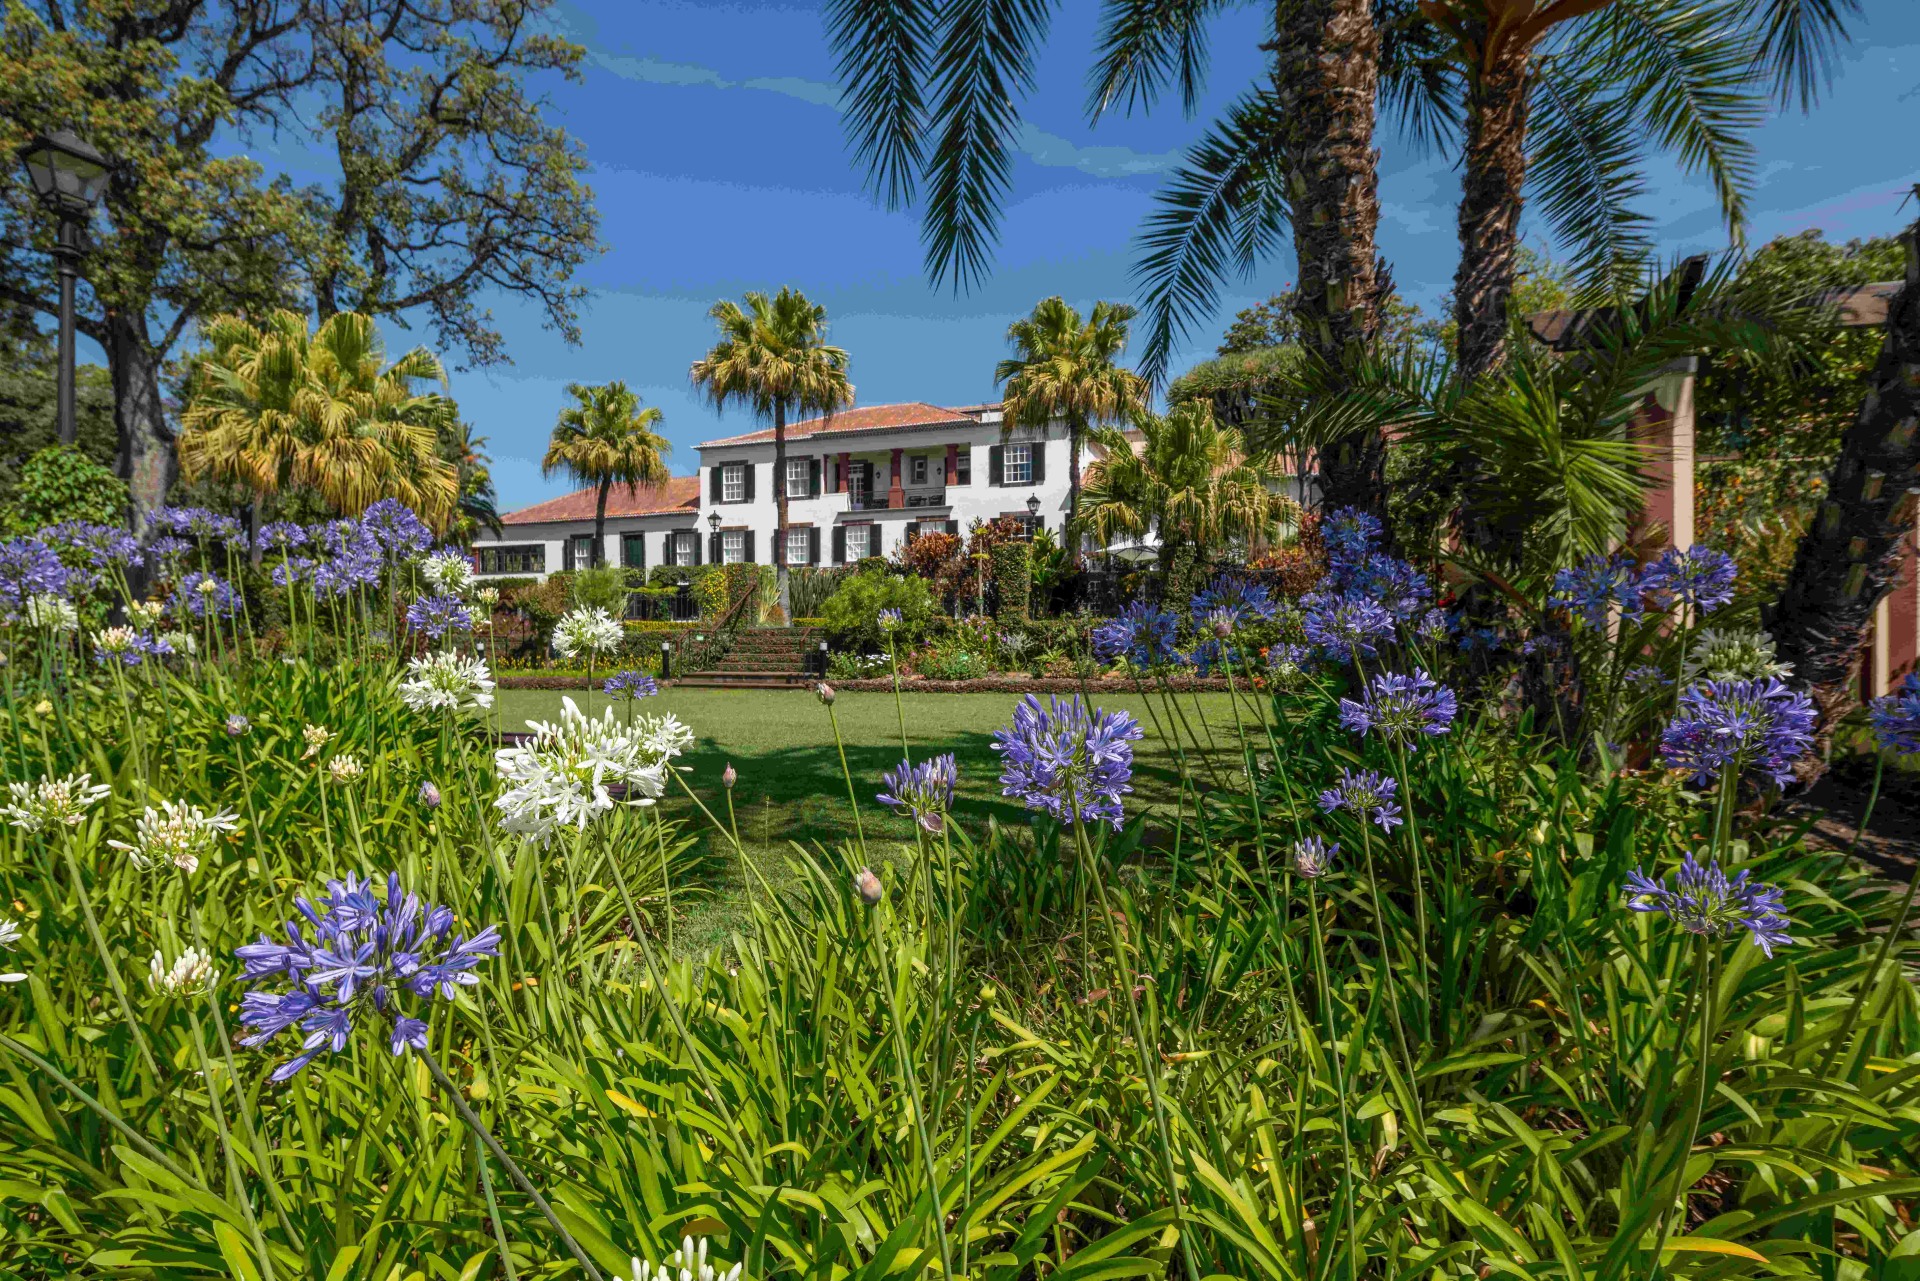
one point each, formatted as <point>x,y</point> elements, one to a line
<point>780,577</point>
<point>600,524</point>
<point>1326,71</point>
<point>1070,536</point>
<point>1491,200</point>
<point>1850,557</point>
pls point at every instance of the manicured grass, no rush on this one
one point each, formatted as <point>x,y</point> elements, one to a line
<point>791,787</point>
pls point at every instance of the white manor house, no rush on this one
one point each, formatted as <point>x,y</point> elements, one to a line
<point>859,483</point>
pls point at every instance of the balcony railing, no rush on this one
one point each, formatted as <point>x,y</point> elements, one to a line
<point>912,498</point>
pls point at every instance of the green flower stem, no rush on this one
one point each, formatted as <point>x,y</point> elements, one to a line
<point>852,799</point>
<point>493,1211</point>
<point>1703,987</point>
<point>1339,1078</point>
<point>1123,992</point>
<point>936,1200</point>
<point>1386,961</point>
<point>1866,815</point>
<point>514,1172</point>
<point>106,959</point>
<point>234,1179</point>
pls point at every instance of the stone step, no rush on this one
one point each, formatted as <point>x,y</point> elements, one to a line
<point>718,679</point>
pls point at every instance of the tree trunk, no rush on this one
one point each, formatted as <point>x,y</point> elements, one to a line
<point>780,585</point>
<point>1070,536</point>
<point>146,461</point>
<point>1494,171</point>
<point>1326,71</point>
<point>1849,558</point>
<point>600,524</point>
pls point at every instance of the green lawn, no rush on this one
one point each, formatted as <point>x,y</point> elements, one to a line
<point>791,786</point>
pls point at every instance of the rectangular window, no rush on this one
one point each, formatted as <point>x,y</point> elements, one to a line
<point>733,546</point>
<point>733,482</point>
<point>580,551</point>
<point>1016,465</point>
<point>798,544</point>
<point>799,477</point>
<point>684,548</point>
<point>859,542</point>
<point>919,465</point>
<point>962,468</point>
<point>633,550</point>
<point>857,480</point>
<point>523,558</point>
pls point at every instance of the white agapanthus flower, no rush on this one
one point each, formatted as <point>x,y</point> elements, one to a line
<point>193,972</point>
<point>488,596</point>
<point>176,833</point>
<point>316,737</point>
<point>562,777</point>
<point>345,768</point>
<point>182,642</point>
<point>688,1263</point>
<point>9,936</point>
<point>53,801</point>
<point>146,614</point>
<point>586,631</point>
<point>448,572</point>
<point>447,682</point>
<point>1733,655</point>
<point>52,614</point>
<point>112,642</point>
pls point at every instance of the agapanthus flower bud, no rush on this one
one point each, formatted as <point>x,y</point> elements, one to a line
<point>728,777</point>
<point>345,768</point>
<point>1312,857</point>
<point>429,794</point>
<point>237,725</point>
<point>825,693</point>
<point>868,885</point>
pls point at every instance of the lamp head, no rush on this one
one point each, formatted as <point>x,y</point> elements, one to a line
<point>67,173</point>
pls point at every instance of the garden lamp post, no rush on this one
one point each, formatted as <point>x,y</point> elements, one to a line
<point>1033,513</point>
<point>70,177</point>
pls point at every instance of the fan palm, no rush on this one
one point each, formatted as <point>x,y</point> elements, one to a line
<point>273,406</point>
<point>773,357</point>
<point>1192,483</point>
<point>602,438</point>
<point>1065,370</point>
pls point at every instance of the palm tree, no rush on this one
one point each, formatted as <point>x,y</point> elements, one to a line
<point>1065,370</point>
<point>1849,558</point>
<point>478,502</point>
<point>773,357</point>
<point>1191,482</point>
<point>604,437</point>
<point>273,406</point>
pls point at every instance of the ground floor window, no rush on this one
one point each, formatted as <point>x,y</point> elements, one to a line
<point>520,558</point>
<point>859,542</point>
<point>580,552</point>
<point>733,546</point>
<point>686,549</point>
<point>799,542</point>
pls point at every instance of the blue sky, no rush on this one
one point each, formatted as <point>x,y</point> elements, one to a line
<point>719,165</point>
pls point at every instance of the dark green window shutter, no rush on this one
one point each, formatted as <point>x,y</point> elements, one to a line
<point>813,545</point>
<point>813,477</point>
<point>1039,462</point>
<point>713,482</point>
<point>749,469</point>
<point>953,527</point>
<point>839,544</point>
<point>633,551</point>
<point>746,550</point>
<point>994,472</point>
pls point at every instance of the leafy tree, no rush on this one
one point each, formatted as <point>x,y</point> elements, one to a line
<point>1191,482</point>
<point>29,416</point>
<point>273,406</point>
<point>478,504</point>
<point>773,357</point>
<point>61,483</point>
<point>448,182</point>
<point>602,438</point>
<point>1276,322</point>
<point>1064,368</point>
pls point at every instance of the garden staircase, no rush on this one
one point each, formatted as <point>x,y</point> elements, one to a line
<point>764,658</point>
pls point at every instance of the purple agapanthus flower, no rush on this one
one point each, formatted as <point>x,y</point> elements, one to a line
<point>104,546</point>
<point>353,952</point>
<point>1896,718</point>
<point>1483,639</point>
<point>393,525</point>
<point>1342,624</point>
<point>1646,677</point>
<point>129,648</point>
<point>201,591</point>
<point>436,615</point>
<point>1241,600</point>
<point>1699,578</point>
<point>167,550</point>
<point>1401,590</point>
<point>1594,588</point>
<point>1365,792</point>
<point>294,569</point>
<point>1704,900</point>
<point>28,567</point>
<point>1144,635</point>
<point>280,536</point>
<point>1068,761</point>
<point>1740,726</point>
<point>923,792</point>
<point>1212,653</point>
<point>198,522</point>
<point>630,685</point>
<point>1350,536</point>
<point>1436,627</point>
<point>1313,857</point>
<point>1401,708</point>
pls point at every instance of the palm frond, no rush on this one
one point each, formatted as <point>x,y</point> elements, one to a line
<point>1222,211</point>
<point>984,64</point>
<point>1799,45</point>
<point>1420,82</point>
<point>882,46</point>
<point>1586,166</point>
<point>1145,45</point>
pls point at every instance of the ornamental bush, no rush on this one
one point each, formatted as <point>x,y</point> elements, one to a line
<point>1012,569</point>
<point>59,483</point>
<point>852,614</point>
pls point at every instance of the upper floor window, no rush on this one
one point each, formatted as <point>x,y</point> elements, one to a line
<point>799,477</point>
<point>524,558</point>
<point>962,468</point>
<point>733,482</point>
<point>733,546</point>
<point>1016,465</point>
<point>917,470</point>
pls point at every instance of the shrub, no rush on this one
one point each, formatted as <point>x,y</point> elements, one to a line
<point>602,587</point>
<point>1013,579</point>
<point>951,663</point>
<point>809,586</point>
<point>59,483</point>
<point>852,613</point>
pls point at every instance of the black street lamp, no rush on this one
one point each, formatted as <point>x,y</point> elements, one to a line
<point>1033,512</point>
<point>70,177</point>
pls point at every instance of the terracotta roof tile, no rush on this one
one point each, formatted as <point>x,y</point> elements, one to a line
<point>913,413</point>
<point>679,493</point>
